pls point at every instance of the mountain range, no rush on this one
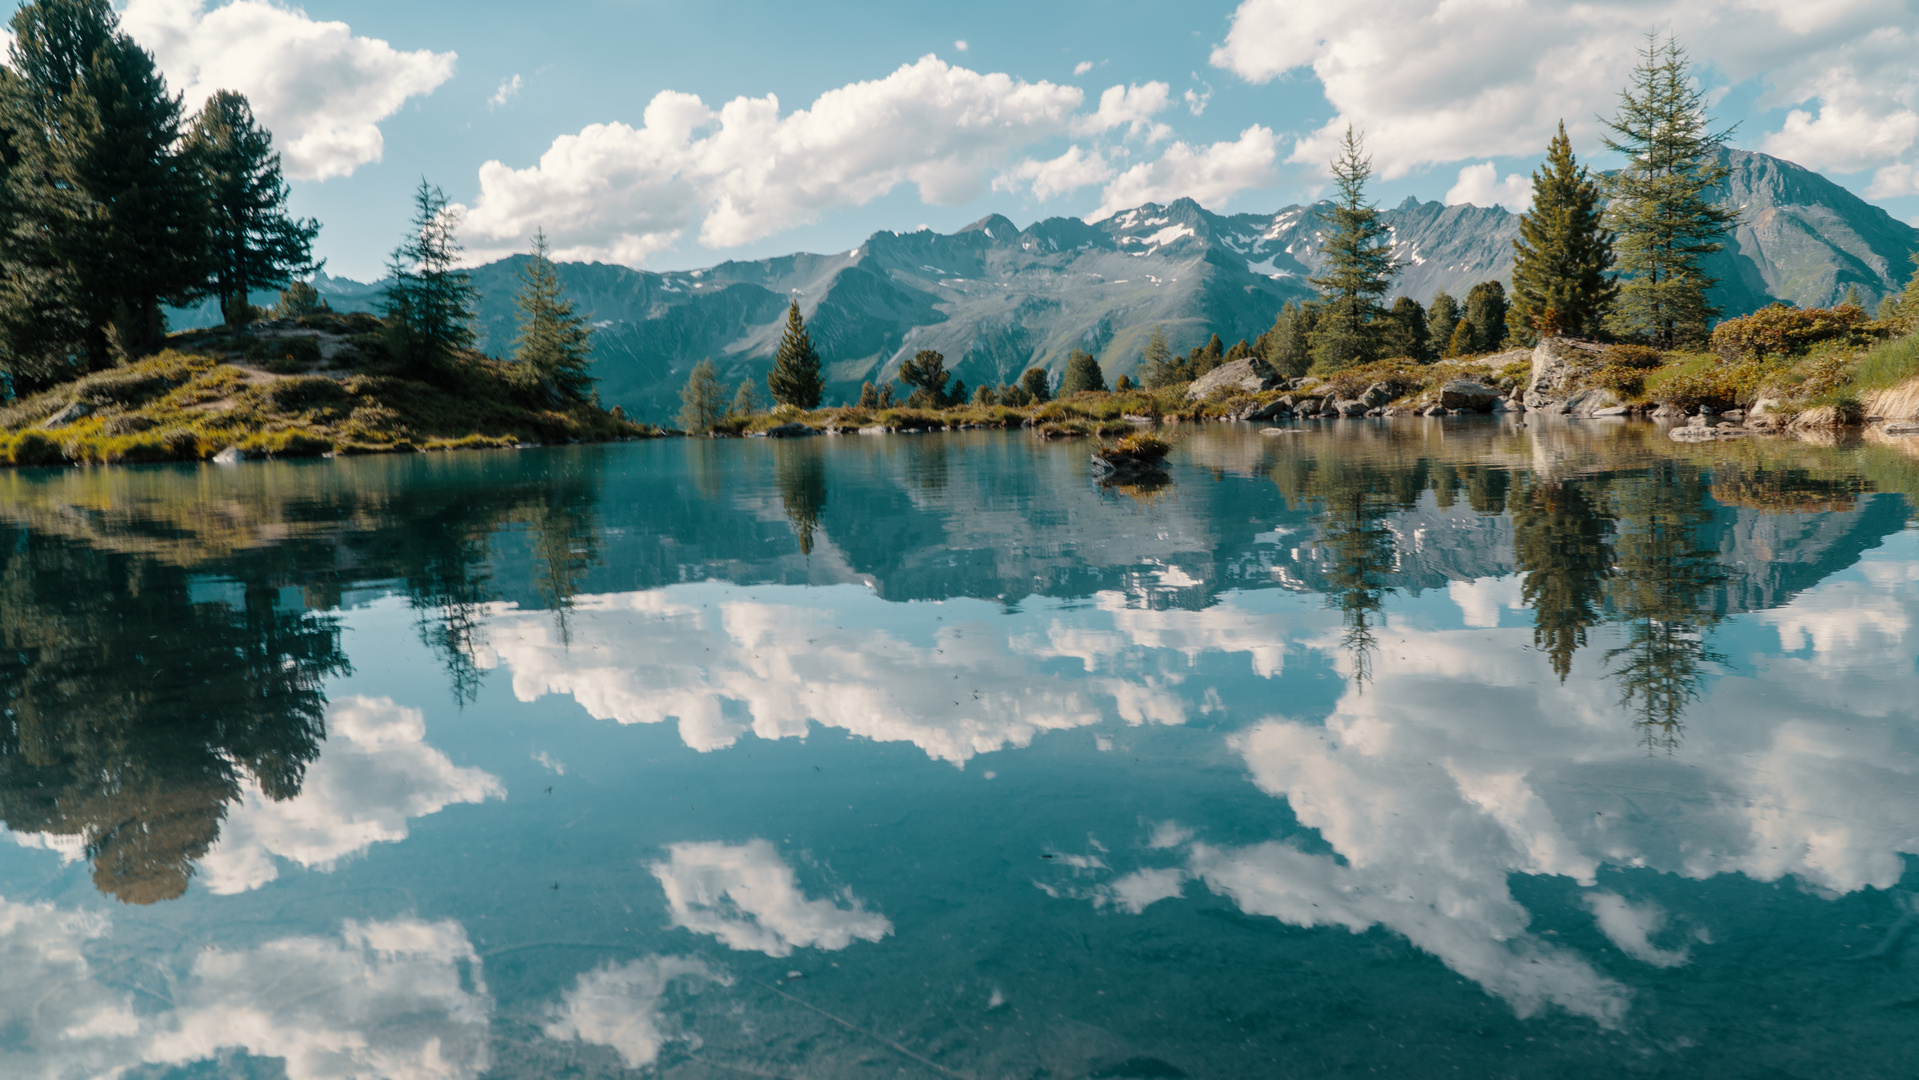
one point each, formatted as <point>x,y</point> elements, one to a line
<point>997,299</point>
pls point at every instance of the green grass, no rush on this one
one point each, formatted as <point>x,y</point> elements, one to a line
<point>1887,364</point>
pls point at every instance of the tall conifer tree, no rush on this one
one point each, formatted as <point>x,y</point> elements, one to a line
<point>1562,257</point>
<point>1658,203</point>
<point>1359,265</point>
<point>555,343</point>
<point>430,300</point>
<point>108,216</point>
<point>1441,319</point>
<point>253,242</point>
<point>795,379</point>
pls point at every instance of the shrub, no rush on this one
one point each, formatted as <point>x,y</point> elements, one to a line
<point>1783,331</point>
<point>34,448</point>
<point>1634,357</point>
<point>302,392</point>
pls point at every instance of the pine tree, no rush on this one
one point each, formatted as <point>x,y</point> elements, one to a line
<point>1289,344</point>
<point>1905,303</point>
<point>1157,367</point>
<point>1441,318</point>
<point>1563,254</point>
<point>1462,340</point>
<point>253,242</point>
<point>429,300</point>
<point>869,397</point>
<point>1082,373</point>
<point>1486,313</point>
<point>1852,298</point>
<point>1037,385</point>
<point>555,345</point>
<point>1405,331</point>
<point>1657,203</point>
<point>106,215</point>
<point>1359,266</point>
<point>795,379</point>
<point>926,373</point>
<point>702,399</point>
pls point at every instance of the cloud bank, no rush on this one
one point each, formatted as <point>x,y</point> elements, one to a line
<point>320,89</point>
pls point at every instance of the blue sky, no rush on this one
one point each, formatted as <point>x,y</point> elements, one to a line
<point>1230,102</point>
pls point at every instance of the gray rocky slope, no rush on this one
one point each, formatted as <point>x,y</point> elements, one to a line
<point>996,298</point>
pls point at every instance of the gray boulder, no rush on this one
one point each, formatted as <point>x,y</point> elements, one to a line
<point>792,430</point>
<point>1469,395</point>
<point>1350,408</point>
<point>1250,374</point>
<point>1377,395</point>
<point>1590,401</point>
<point>1272,410</point>
<point>1558,365</point>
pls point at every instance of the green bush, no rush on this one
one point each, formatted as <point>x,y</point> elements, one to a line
<point>34,448</point>
<point>1780,330</point>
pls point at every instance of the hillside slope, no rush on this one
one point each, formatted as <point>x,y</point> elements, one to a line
<point>997,299</point>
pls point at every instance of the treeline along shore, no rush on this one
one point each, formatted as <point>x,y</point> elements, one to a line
<point>116,206</point>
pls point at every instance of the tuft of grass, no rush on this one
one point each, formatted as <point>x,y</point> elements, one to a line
<point>1887,364</point>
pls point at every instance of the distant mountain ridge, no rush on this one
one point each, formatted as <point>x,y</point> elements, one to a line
<point>996,299</point>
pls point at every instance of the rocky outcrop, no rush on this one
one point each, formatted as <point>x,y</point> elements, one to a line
<point>1558,366</point>
<point>1250,375</point>
<point>1467,394</point>
<point>1594,401</point>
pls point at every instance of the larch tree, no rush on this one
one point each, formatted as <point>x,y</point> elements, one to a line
<point>795,379</point>
<point>555,345</point>
<point>1562,258</point>
<point>702,399</point>
<point>1658,203</point>
<point>429,300</point>
<point>253,243</point>
<point>1359,265</point>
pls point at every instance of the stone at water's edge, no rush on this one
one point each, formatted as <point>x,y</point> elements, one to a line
<point>1558,363</point>
<point>794,430</point>
<point>1594,401</point>
<point>1250,374</point>
<point>1467,394</point>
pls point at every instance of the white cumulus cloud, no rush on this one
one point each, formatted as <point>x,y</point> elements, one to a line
<point>1130,107</point>
<point>749,898</point>
<point>321,90</point>
<point>1209,175</point>
<point>619,1006</point>
<point>1432,82</point>
<point>1072,170</point>
<point>374,773</point>
<point>1480,185</point>
<point>509,89</point>
<point>745,171</point>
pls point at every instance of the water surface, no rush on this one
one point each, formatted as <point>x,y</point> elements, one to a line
<point>1422,748</point>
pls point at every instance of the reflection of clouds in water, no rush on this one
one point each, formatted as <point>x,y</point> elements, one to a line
<point>1632,926</point>
<point>374,772</point>
<point>1481,600</point>
<point>401,1000</point>
<point>746,896</point>
<point>618,1005</point>
<point>724,663</point>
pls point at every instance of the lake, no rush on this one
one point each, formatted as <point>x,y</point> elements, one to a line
<point>1417,748</point>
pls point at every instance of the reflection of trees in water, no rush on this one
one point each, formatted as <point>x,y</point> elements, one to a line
<point>566,543</point>
<point>134,712</point>
<point>1662,574</point>
<point>800,471</point>
<point>1561,544</point>
<point>1355,499</point>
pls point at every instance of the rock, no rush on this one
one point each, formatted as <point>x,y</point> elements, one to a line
<point>1272,410</point>
<point>1434,410</point>
<point>1901,427</point>
<point>1558,365</point>
<point>1397,410</point>
<point>229,456</point>
<point>1588,402</point>
<point>1669,411</point>
<point>1377,395</point>
<point>875,429</point>
<point>1459,412</point>
<point>1500,406</point>
<point>1735,415</point>
<point>1350,408</point>
<point>791,430</point>
<point>1250,374</point>
<point>74,411</point>
<point>1822,418</point>
<point>1375,410</point>
<point>1611,410</point>
<point>1467,394</point>
<point>1308,406</point>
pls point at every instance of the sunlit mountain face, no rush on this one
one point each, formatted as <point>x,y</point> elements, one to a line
<point>1409,746</point>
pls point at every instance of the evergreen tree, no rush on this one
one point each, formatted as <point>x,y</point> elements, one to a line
<point>926,373</point>
<point>1289,344</point>
<point>702,399</point>
<point>1405,331</point>
<point>1658,204</point>
<point>1037,385</point>
<point>795,379</point>
<point>1123,385</point>
<point>1905,303</point>
<point>1359,266</point>
<point>1441,319</point>
<point>1158,367</point>
<point>1486,313</point>
<point>1207,357</point>
<point>555,345</point>
<point>1852,298</point>
<point>869,397</point>
<point>106,217</point>
<point>745,402</point>
<point>252,242</point>
<point>1240,351</point>
<point>1563,254</point>
<point>985,396</point>
<point>429,299</point>
<point>1462,340</point>
<point>1082,373</point>
<point>300,299</point>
